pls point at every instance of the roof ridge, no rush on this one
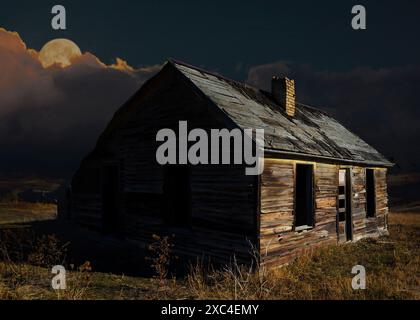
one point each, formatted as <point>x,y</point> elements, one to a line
<point>213,73</point>
<point>242,83</point>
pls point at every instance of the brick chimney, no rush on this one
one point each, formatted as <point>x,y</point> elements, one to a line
<point>283,92</point>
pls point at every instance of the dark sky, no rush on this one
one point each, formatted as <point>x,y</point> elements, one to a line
<point>369,80</point>
<point>225,35</point>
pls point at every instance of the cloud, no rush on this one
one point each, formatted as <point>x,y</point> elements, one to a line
<point>51,117</point>
<point>380,105</point>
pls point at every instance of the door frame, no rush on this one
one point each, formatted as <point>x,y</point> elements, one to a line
<point>313,204</point>
<point>348,214</point>
<point>349,205</point>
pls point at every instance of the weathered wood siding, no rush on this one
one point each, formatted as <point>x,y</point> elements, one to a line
<point>86,201</point>
<point>223,206</point>
<point>279,243</point>
<point>382,209</point>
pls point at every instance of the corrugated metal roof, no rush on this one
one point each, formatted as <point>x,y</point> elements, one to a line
<point>310,132</point>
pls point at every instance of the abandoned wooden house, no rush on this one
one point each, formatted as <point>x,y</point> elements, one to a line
<point>321,184</point>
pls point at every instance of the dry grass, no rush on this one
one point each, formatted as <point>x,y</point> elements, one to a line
<point>392,270</point>
<point>392,267</point>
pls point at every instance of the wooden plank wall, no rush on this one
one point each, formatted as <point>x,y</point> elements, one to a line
<point>85,198</point>
<point>87,210</point>
<point>223,207</point>
<point>223,197</point>
<point>279,243</point>
<point>382,208</point>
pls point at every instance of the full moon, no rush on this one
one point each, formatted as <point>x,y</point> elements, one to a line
<point>59,51</point>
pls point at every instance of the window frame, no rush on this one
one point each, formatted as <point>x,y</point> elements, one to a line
<point>368,214</point>
<point>300,228</point>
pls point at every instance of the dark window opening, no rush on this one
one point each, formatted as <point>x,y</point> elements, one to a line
<point>342,216</point>
<point>304,199</point>
<point>370,193</point>
<point>110,191</point>
<point>177,191</point>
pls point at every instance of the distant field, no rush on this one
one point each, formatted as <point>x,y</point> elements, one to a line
<point>21,212</point>
<point>27,183</point>
<point>14,210</point>
<point>392,264</point>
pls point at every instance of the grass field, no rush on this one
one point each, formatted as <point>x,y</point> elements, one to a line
<point>392,268</point>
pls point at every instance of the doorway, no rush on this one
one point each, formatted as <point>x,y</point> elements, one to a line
<point>110,191</point>
<point>344,215</point>
<point>177,190</point>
